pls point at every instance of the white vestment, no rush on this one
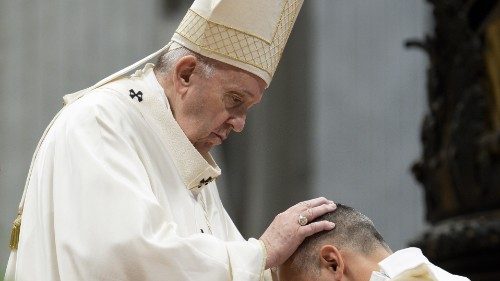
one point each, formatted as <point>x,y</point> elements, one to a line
<point>411,265</point>
<point>117,192</point>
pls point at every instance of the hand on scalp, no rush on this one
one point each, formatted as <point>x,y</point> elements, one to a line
<point>290,228</point>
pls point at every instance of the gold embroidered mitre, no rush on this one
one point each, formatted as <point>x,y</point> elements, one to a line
<point>248,34</point>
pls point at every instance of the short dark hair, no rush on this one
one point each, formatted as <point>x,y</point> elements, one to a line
<point>353,231</point>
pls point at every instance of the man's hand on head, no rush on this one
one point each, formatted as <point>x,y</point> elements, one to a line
<point>290,228</point>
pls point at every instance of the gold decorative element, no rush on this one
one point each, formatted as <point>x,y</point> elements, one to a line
<point>205,213</point>
<point>238,45</point>
<point>492,55</point>
<point>14,235</point>
<point>302,220</point>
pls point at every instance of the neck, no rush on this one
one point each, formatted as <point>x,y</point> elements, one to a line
<point>360,266</point>
<point>379,255</point>
<point>163,81</point>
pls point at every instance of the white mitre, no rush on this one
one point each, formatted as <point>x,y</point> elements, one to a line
<point>248,34</point>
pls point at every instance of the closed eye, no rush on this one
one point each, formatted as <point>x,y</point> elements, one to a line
<point>233,100</point>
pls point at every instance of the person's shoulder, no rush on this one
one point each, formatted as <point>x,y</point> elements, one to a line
<point>101,105</point>
<point>102,97</point>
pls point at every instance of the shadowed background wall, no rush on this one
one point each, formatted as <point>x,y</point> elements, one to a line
<point>341,118</point>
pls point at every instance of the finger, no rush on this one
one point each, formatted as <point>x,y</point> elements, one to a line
<point>315,227</point>
<point>304,205</point>
<point>315,212</point>
<point>318,201</point>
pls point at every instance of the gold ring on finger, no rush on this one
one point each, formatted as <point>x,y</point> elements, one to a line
<point>302,220</point>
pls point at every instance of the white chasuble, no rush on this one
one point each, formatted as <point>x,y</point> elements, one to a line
<point>117,192</point>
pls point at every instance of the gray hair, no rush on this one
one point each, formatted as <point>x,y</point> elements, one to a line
<point>353,231</point>
<point>167,60</point>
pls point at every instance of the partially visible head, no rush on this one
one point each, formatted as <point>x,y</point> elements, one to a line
<point>350,251</point>
<point>209,99</point>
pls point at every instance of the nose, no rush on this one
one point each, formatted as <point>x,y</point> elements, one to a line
<point>237,122</point>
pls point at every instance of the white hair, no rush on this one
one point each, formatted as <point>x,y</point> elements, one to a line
<point>166,61</point>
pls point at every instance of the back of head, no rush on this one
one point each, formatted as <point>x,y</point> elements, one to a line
<point>353,231</point>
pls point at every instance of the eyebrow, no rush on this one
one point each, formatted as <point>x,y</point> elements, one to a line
<point>244,92</point>
<point>241,92</point>
<point>247,93</point>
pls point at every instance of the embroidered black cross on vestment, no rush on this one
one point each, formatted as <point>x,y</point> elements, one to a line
<point>138,95</point>
<point>205,182</point>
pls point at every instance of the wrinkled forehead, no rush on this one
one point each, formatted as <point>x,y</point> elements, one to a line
<point>232,72</point>
<point>232,78</point>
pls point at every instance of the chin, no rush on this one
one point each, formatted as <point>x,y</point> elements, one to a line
<point>203,150</point>
<point>204,147</point>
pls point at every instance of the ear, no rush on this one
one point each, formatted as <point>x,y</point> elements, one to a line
<point>332,262</point>
<point>183,73</point>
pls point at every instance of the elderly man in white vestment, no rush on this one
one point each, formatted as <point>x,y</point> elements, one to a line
<point>121,185</point>
<point>355,251</point>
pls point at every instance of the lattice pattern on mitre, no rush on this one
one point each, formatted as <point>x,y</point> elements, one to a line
<point>238,45</point>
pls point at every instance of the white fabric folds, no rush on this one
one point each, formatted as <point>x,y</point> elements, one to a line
<point>411,265</point>
<point>107,199</point>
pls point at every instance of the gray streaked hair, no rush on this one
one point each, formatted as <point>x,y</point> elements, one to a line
<point>168,59</point>
<point>353,231</point>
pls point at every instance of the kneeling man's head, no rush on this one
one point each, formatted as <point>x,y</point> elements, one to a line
<point>350,251</point>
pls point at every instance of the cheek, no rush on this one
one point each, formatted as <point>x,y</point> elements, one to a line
<point>214,114</point>
<point>198,110</point>
<point>207,113</point>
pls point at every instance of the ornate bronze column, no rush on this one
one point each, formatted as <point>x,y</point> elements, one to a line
<point>460,164</point>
